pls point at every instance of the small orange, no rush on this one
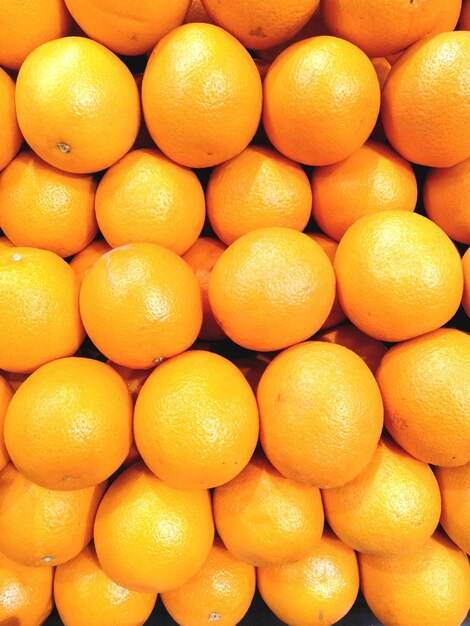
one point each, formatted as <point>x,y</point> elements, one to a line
<point>464,20</point>
<point>398,275</point>
<point>315,591</point>
<point>272,288</point>
<point>220,592</point>
<point>448,17</point>
<point>424,385</point>
<point>77,105</point>
<point>197,13</point>
<point>466,289</point>
<point>150,537</point>
<point>10,135</point>
<point>454,483</point>
<point>147,197</point>
<point>82,261</point>
<point>141,303</point>
<point>321,100</point>
<point>321,413</point>
<point>44,289</point>
<point>266,519</point>
<point>256,189</point>
<point>58,207</point>
<point>6,393</point>
<point>83,594</point>
<point>201,95</point>
<point>369,349</point>
<point>69,425</point>
<point>41,527</point>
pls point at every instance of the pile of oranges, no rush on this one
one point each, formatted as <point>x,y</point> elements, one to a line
<point>234,290</point>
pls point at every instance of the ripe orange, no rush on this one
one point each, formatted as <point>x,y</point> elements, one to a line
<point>141,303</point>
<point>321,100</point>
<point>464,21</point>
<point>266,519</point>
<point>10,135</point>
<point>454,483</point>
<point>41,527</point>
<point>149,536</point>
<point>448,17</point>
<point>317,590</point>
<point>77,105</point>
<point>256,189</point>
<point>320,413</point>
<point>83,260</point>
<point>398,275</point>
<point>6,393</point>
<point>372,179</point>
<point>428,586</point>
<point>85,595</point>
<point>369,349</point>
<point>446,196</point>
<point>69,425</point>
<point>201,95</point>
<point>272,288</point>
<point>425,104</point>
<point>41,286</point>
<point>58,207</point>
<point>220,592</point>
<point>466,289</point>
<point>424,385</point>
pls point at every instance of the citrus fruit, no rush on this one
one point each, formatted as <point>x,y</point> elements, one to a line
<point>10,135</point>
<point>83,260</point>
<point>454,483</point>
<point>448,17</point>
<point>6,393</point>
<point>466,289</point>
<point>370,350</point>
<point>382,68</point>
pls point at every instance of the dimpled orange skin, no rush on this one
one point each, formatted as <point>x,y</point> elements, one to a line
<point>10,135</point>
<point>317,590</point>
<point>425,103</point>
<point>454,483</point>
<point>141,303</point>
<point>77,105</point>
<point>321,413</point>
<point>39,316</point>
<point>466,289</point>
<point>201,95</point>
<point>58,207</point>
<point>145,197</point>
<point>398,275</point>
<point>150,537</point>
<point>448,17</point>
<point>70,425</point>
<point>6,393</point>
<point>83,260</point>
<point>424,385</point>
<point>428,586</point>
<point>266,519</point>
<point>332,103</point>
<point>40,527</point>
<point>275,274</point>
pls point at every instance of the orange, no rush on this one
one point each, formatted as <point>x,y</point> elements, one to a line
<point>147,197</point>
<point>196,421</point>
<point>398,275</point>
<point>260,25</point>
<point>272,288</point>
<point>424,385</point>
<point>5,243</point>
<point>77,105</point>
<point>317,590</point>
<point>197,13</point>
<point>41,527</point>
<point>370,350</point>
<point>373,179</point>
<point>428,586</point>
<point>201,258</point>
<point>446,196</point>
<point>27,24</point>
<point>82,261</point>
<point>320,413</point>
<point>321,100</point>
<point>141,303</point>
<point>57,207</point>
<point>41,286</point>
<point>425,104</point>
<point>127,28</point>
<point>69,425</point>
<point>448,17</point>
<point>454,483</point>
<point>6,393</point>
<point>10,135</point>
<point>383,27</point>
<point>25,593</point>
<point>382,68</point>
<point>266,519</point>
<point>149,536</point>
<point>85,595</point>
<point>201,95</point>
<point>220,592</point>
<point>256,189</point>
<point>464,21</point>
<point>466,289</point>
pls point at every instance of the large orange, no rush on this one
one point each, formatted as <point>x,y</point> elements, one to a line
<point>454,483</point>
<point>87,257</point>
<point>321,413</point>
<point>149,536</point>
<point>272,288</point>
<point>466,289</point>
<point>141,303</point>
<point>201,95</point>
<point>10,135</point>
<point>77,104</point>
<point>69,425</point>
<point>369,349</point>
<point>448,17</point>
<point>6,393</point>
<point>321,100</point>
<point>398,275</point>
<point>425,103</point>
